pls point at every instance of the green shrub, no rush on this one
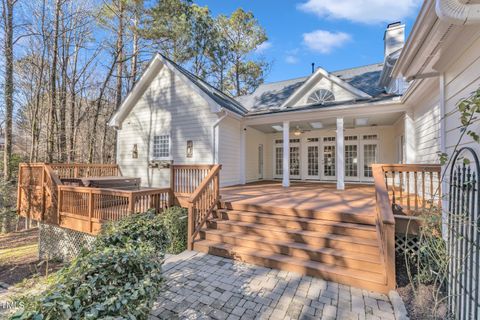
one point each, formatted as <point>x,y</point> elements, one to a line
<point>146,228</point>
<point>119,278</point>
<point>175,222</point>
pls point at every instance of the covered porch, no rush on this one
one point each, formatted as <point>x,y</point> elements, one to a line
<point>337,146</point>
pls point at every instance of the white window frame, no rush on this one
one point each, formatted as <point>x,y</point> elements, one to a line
<point>153,157</point>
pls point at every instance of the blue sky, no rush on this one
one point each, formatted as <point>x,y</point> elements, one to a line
<point>335,34</point>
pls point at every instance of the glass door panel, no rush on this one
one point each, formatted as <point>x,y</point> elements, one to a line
<point>312,162</point>
<point>351,161</point>
<point>295,161</point>
<point>329,162</point>
<point>278,162</point>
<point>370,153</point>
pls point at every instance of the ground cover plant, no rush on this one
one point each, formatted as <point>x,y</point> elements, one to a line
<point>119,278</point>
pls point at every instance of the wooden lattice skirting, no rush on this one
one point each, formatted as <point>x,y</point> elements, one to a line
<point>406,243</point>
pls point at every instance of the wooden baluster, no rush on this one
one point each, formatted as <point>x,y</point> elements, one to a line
<point>423,189</point>
<point>415,178</point>
<point>90,211</point>
<point>393,186</point>
<point>401,187</point>
<point>432,191</point>
<point>408,191</point>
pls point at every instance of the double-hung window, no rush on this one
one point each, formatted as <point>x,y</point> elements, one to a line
<point>161,147</point>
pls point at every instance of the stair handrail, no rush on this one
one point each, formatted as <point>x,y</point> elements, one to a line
<point>385,223</point>
<point>202,202</point>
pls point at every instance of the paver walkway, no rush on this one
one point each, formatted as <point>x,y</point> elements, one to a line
<point>201,286</point>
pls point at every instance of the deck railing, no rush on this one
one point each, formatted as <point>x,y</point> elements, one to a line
<point>185,178</point>
<point>385,222</point>
<point>37,192</point>
<point>401,189</point>
<point>82,170</point>
<point>202,203</point>
<point>413,188</point>
<point>85,209</point>
<point>43,196</point>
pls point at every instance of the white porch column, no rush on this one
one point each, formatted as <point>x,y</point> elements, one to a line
<point>243,134</point>
<point>409,138</point>
<point>286,154</point>
<point>340,155</point>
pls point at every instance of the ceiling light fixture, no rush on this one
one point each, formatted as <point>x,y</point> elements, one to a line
<point>297,131</point>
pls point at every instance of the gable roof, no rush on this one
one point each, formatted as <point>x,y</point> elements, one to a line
<point>214,97</point>
<point>321,73</point>
<point>270,96</point>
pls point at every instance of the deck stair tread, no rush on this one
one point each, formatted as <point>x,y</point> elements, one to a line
<point>335,246</point>
<point>322,214</point>
<point>313,234</point>
<point>321,268</point>
<point>373,258</point>
<point>298,220</point>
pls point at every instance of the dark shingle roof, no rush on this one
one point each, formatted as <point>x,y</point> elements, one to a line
<point>364,78</point>
<point>270,96</point>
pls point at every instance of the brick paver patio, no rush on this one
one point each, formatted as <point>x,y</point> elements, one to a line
<point>201,286</point>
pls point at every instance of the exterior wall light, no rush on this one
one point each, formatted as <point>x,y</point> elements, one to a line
<point>189,148</point>
<point>135,152</point>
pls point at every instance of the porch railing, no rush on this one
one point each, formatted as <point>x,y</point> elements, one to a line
<point>202,203</point>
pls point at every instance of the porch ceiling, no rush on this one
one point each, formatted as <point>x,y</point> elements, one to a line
<point>385,119</point>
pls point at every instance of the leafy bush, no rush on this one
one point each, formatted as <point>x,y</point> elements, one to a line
<point>175,221</point>
<point>146,228</point>
<point>119,278</point>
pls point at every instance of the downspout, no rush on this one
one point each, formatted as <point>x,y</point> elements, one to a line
<point>457,13</point>
<point>215,136</point>
<point>443,149</point>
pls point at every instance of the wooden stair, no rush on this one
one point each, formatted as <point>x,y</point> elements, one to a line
<point>338,247</point>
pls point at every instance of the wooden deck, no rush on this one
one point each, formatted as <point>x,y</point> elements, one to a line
<point>346,236</point>
<point>300,196</point>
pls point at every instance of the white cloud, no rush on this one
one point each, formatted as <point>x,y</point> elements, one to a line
<point>364,11</point>
<point>325,41</point>
<point>292,56</point>
<point>263,47</point>
<point>291,59</point>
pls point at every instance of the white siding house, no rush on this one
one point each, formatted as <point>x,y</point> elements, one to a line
<point>385,119</point>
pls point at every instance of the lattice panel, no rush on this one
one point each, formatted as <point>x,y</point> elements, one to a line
<point>407,244</point>
<point>59,243</point>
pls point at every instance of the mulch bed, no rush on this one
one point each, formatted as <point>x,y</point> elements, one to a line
<point>420,303</point>
<point>21,250</point>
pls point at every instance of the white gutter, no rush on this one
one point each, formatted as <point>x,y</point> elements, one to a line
<point>457,13</point>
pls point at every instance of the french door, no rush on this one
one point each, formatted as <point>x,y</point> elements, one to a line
<point>312,154</point>
<point>370,156</point>
<point>328,159</point>
<point>351,159</point>
<point>294,153</point>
